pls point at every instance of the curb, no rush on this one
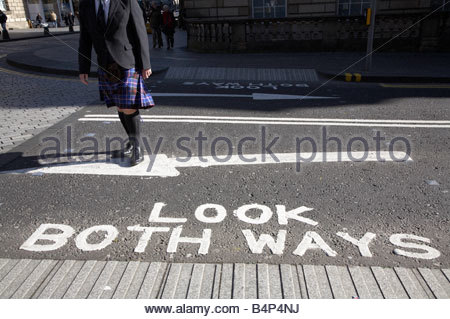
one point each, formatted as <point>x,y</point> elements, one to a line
<point>43,278</point>
<point>361,77</point>
<point>58,71</point>
<point>40,36</point>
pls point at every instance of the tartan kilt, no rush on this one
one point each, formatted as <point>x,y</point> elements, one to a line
<point>128,93</point>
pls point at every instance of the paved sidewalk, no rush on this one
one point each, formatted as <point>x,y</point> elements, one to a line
<point>27,278</point>
<point>26,34</point>
<point>58,56</point>
<point>33,103</point>
<point>21,123</point>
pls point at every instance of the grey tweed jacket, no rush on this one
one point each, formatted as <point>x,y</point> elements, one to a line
<point>125,37</point>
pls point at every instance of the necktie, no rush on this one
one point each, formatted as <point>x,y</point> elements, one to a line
<point>101,24</point>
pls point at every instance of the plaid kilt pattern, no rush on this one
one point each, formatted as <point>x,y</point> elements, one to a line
<point>128,93</point>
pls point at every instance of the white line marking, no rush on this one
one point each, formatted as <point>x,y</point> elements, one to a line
<point>268,118</point>
<point>416,86</point>
<point>267,122</point>
<point>164,166</point>
<point>255,96</point>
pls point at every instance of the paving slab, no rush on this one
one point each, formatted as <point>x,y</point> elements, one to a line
<point>24,278</point>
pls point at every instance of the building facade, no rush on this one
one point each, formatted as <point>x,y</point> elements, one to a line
<point>15,10</point>
<point>19,11</point>
<point>266,9</point>
<point>249,25</point>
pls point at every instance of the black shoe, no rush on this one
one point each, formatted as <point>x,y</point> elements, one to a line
<point>133,124</point>
<point>126,152</point>
<point>136,156</point>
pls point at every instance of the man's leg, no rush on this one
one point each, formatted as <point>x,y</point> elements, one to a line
<point>122,120</point>
<point>127,150</point>
<point>155,37</point>
<point>133,120</point>
<point>160,40</point>
<point>168,40</point>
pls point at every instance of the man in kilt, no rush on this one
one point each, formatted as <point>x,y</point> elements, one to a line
<point>116,30</point>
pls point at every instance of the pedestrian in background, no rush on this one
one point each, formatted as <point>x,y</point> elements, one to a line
<point>38,19</point>
<point>3,19</point>
<point>66,19</point>
<point>181,19</point>
<point>53,19</point>
<point>71,21</point>
<point>168,26</point>
<point>124,62</point>
<point>156,23</point>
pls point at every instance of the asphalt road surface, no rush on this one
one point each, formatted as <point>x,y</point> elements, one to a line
<point>234,180</point>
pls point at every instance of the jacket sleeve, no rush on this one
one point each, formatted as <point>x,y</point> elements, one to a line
<point>85,44</point>
<point>142,52</point>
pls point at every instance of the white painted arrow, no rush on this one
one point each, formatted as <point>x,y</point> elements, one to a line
<point>254,96</point>
<point>163,166</point>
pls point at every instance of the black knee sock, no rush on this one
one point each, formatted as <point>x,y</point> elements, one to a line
<point>124,122</point>
<point>133,123</point>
